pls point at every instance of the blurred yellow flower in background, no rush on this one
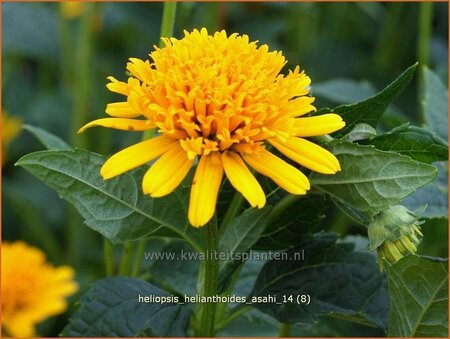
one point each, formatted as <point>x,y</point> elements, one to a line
<point>11,127</point>
<point>219,98</point>
<point>32,289</point>
<point>71,9</point>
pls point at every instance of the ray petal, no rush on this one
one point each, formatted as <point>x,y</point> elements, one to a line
<point>205,188</point>
<point>284,174</point>
<point>135,156</point>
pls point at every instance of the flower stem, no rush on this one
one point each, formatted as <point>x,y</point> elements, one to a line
<point>108,252</point>
<point>82,72</point>
<point>423,48</point>
<point>138,258</point>
<point>168,20</point>
<point>78,237</point>
<point>425,22</point>
<point>127,253</point>
<point>211,267</point>
<point>285,330</point>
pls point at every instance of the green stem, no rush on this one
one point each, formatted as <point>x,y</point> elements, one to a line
<point>167,25</point>
<point>211,269</point>
<point>82,73</point>
<point>108,252</point>
<point>285,330</point>
<point>423,48</point>
<point>168,20</point>
<point>78,236</point>
<point>125,260</point>
<point>425,23</point>
<point>138,258</point>
<point>66,55</point>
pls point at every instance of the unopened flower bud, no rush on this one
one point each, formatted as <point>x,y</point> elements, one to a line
<point>394,233</point>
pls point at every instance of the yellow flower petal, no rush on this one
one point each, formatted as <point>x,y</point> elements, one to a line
<point>318,125</point>
<point>121,110</point>
<point>120,123</point>
<point>242,179</point>
<point>167,172</point>
<point>118,86</point>
<point>301,106</point>
<point>285,175</point>
<point>135,156</point>
<point>308,155</point>
<point>205,188</point>
<point>140,69</point>
<point>20,326</point>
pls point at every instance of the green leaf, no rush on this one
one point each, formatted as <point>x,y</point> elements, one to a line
<point>251,324</point>
<point>352,213</point>
<point>112,309</point>
<point>343,90</point>
<point>418,287</point>
<point>434,195</point>
<point>340,282</point>
<point>116,208</point>
<point>360,132</point>
<point>435,104</point>
<point>50,141</point>
<point>243,231</point>
<point>175,268</point>
<point>369,111</point>
<point>330,327</point>
<point>294,224</point>
<point>415,142</point>
<point>372,180</point>
<point>238,237</point>
<point>248,275</point>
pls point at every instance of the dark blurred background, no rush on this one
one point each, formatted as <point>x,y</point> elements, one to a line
<point>56,59</point>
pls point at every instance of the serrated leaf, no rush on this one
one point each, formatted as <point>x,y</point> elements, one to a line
<point>434,195</point>
<point>340,282</point>
<point>343,90</point>
<point>115,208</point>
<point>418,287</point>
<point>372,180</point>
<point>111,308</point>
<point>369,111</point>
<point>50,141</point>
<point>415,142</point>
<point>435,104</point>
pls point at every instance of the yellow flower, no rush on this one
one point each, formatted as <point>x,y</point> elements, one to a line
<point>11,127</point>
<point>32,289</point>
<point>71,9</point>
<point>219,99</point>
